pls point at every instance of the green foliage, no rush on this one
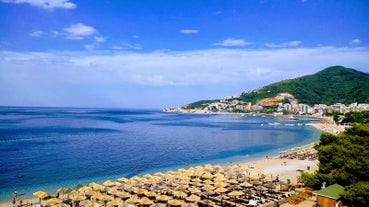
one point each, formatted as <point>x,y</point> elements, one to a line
<point>327,138</point>
<point>356,117</point>
<point>356,194</point>
<point>311,180</point>
<point>344,158</point>
<point>331,85</point>
<point>285,101</point>
<point>200,104</point>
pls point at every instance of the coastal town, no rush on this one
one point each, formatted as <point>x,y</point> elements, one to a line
<point>282,104</point>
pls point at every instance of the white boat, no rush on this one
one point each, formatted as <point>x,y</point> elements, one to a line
<point>274,123</point>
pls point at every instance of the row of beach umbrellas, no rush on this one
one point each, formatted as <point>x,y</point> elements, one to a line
<point>184,185</point>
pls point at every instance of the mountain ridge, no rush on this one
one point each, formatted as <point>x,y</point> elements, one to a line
<point>335,84</point>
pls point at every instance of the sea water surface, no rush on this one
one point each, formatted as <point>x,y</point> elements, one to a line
<point>47,148</point>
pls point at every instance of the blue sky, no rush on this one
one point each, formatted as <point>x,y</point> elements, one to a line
<point>161,53</point>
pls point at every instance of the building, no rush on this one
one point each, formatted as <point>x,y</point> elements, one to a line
<point>329,196</point>
<point>287,107</point>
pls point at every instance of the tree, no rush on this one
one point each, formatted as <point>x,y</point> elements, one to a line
<point>356,194</point>
<point>343,159</point>
<point>311,180</point>
<point>356,117</point>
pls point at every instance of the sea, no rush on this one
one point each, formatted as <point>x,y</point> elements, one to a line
<point>45,148</point>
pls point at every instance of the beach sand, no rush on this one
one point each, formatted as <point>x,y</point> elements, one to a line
<point>327,127</point>
<point>275,166</point>
<point>283,168</point>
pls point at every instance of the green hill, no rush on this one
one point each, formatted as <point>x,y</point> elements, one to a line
<point>332,85</point>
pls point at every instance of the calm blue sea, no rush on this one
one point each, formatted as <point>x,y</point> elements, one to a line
<point>47,148</point>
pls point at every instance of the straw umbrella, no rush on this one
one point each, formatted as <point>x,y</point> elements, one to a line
<point>84,189</point>
<point>114,202</point>
<point>123,180</point>
<point>54,201</point>
<point>175,202</point>
<point>260,189</point>
<point>207,175</point>
<point>232,181</point>
<point>193,190</point>
<point>109,183</point>
<point>141,191</point>
<point>246,184</point>
<point>220,184</point>
<point>208,187</point>
<point>40,194</point>
<point>113,191</point>
<point>180,194</point>
<point>257,182</point>
<point>235,194</point>
<point>146,201</point>
<point>193,198</point>
<point>61,205</point>
<point>96,195</point>
<point>209,167</point>
<point>197,180</point>
<point>208,182</point>
<point>254,177</point>
<point>151,194</point>
<point>162,198</point>
<point>76,197</point>
<point>93,204</point>
<point>133,199</point>
<point>106,198</point>
<point>124,195</point>
<point>221,190</point>
<point>63,190</point>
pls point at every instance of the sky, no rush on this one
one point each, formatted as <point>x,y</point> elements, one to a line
<point>168,53</point>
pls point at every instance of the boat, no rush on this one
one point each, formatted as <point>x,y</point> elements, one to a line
<point>274,123</point>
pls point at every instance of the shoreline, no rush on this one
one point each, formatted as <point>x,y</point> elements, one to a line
<point>272,166</point>
<point>328,127</point>
<point>284,168</point>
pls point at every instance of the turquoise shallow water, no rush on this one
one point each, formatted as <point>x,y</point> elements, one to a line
<point>46,148</point>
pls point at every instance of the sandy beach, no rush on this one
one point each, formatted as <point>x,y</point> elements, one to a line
<point>286,169</point>
<point>328,127</point>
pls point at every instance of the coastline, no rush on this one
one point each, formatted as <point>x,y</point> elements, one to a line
<point>286,169</point>
<point>327,127</point>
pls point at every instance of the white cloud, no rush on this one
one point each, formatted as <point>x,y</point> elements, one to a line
<point>217,66</point>
<point>285,44</point>
<point>232,43</point>
<point>90,46</point>
<point>117,47</point>
<point>189,31</point>
<point>128,46</point>
<point>99,39</point>
<point>79,31</point>
<point>125,72</point>
<point>45,4</point>
<point>36,33</point>
<point>355,42</point>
